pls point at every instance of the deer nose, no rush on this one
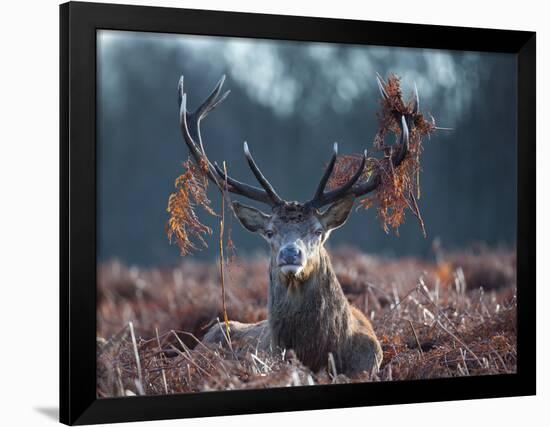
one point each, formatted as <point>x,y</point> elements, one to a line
<point>290,254</point>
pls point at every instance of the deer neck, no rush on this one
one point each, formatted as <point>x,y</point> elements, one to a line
<point>312,316</point>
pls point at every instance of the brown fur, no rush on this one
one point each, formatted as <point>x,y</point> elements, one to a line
<point>314,318</point>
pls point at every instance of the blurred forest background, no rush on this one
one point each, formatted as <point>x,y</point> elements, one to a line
<point>291,101</point>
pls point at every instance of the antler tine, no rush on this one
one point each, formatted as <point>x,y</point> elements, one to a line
<point>211,101</point>
<point>190,128</point>
<point>322,198</point>
<point>197,153</point>
<point>381,88</point>
<point>374,182</point>
<point>261,178</point>
<point>333,195</point>
<point>243,189</point>
<point>404,143</point>
<point>328,172</point>
<point>416,105</point>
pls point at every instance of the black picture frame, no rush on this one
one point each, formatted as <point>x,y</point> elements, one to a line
<point>78,25</point>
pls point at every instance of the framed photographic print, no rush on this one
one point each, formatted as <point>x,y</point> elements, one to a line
<point>273,213</point>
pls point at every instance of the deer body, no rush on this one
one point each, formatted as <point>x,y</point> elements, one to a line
<point>314,319</point>
<point>307,309</point>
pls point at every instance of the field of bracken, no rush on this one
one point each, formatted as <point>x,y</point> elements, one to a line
<point>452,315</point>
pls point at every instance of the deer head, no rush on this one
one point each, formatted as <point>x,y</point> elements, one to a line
<point>296,232</point>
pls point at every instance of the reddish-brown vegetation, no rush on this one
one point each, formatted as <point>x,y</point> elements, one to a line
<point>184,224</point>
<point>453,317</point>
<point>399,186</point>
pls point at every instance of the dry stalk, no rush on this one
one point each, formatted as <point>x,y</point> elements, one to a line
<point>136,353</point>
<point>459,341</point>
<point>222,223</point>
<point>161,358</point>
<point>416,337</point>
<point>332,366</point>
<point>190,360</point>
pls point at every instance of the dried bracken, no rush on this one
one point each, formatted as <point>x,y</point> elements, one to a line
<point>399,187</point>
<point>184,224</point>
<point>452,317</point>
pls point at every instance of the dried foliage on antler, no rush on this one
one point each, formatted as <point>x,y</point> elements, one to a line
<point>399,185</point>
<point>184,224</point>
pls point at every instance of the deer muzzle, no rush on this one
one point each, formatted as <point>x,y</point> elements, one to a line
<point>290,259</point>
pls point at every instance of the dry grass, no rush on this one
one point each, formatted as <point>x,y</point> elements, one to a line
<point>453,317</point>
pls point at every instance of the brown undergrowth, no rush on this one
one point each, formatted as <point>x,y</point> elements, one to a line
<point>452,317</point>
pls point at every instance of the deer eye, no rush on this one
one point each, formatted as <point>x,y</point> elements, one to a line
<point>269,234</point>
<point>319,232</point>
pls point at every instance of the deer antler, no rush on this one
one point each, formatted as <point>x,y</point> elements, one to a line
<point>322,197</point>
<point>190,128</point>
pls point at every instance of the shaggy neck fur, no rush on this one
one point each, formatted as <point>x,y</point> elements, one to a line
<point>310,315</point>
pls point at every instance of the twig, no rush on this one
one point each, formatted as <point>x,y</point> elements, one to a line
<point>418,194</point>
<point>390,312</point>
<point>332,366</point>
<point>257,359</point>
<point>227,339</point>
<point>136,353</point>
<point>416,212</point>
<point>458,340</point>
<point>200,343</point>
<point>370,286</point>
<point>463,355</point>
<point>416,337</point>
<point>161,356</point>
<point>115,337</point>
<point>119,381</point>
<point>183,346</point>
<point>421,286</point>
<point>190,359</point>
<point>222,221</point>
<point>499,357</point>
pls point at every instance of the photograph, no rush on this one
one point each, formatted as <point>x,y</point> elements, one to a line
<point>276,213</point>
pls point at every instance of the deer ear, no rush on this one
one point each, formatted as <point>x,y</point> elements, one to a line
<point>337,214</point>
<point>251,218</point>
